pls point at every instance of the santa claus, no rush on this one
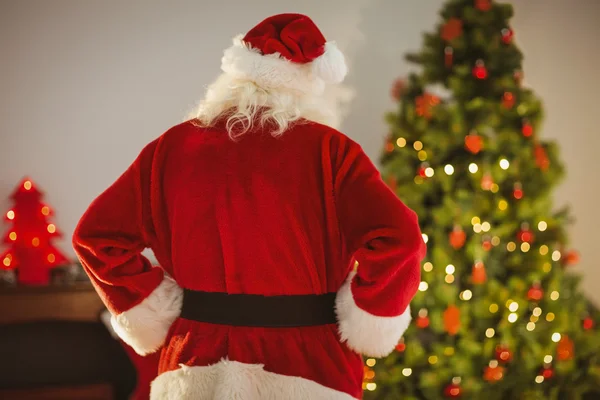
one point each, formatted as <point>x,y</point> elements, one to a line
<point>257,211</point>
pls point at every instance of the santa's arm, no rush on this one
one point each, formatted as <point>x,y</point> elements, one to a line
<point>383,235</point>
<point>109,240</point>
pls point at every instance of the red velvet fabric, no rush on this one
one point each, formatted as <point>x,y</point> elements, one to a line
<point>263,215</point>
<point>294,36</point>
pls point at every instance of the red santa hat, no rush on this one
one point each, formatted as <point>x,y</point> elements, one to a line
<point>285,51</point>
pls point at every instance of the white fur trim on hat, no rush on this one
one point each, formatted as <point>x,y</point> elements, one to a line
<point>365,333</point>
<point>272,71</point>
<point>145,326</point>
<point>331,65</point>
<point>235,380</point>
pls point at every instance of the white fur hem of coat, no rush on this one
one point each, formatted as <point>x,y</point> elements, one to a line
<point>363,332</point>
<point>145,326</point>
<point>239,381</point>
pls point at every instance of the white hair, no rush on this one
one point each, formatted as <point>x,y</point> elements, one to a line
<point>244,104</point>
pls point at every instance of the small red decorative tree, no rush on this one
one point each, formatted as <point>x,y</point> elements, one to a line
<point>30,252</point>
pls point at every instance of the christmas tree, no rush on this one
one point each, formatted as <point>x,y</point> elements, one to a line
<point>498,315</point>
<point>31,252</point>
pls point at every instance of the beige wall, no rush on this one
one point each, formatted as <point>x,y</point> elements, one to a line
<point>84,84</point>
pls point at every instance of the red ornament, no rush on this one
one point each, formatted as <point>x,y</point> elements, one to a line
<point>525,235</point>
<point>588,323</point>
<point>486,245</point>
<point>541,158</point>
<point>535,293</point>
<point>547,372</point>
<point>565,349</point>
<point>518,191</point>
<point>452,29</point>
<point>503,354</point>
<point>487,182</point>
<point>571,258</point>
<point>473,143</point>
<point>453,391</point>
<point>508,100</point>
<point>478,274</point>
<point>527,129</point>
<point>483,5</point>
<point>422,320</point>
<point>448,56</point>
<point>479,70</point>
<point>423,171</point>
<point>457,237</point>
<point>398,88</point>
<point>452,320</point>
<point>507,35</point>
<point>389,145</point>
<point>31,250</point>
<point>425,103</point>
<point>401,346</point>
<point>518,76</point>
<point>493,372</point>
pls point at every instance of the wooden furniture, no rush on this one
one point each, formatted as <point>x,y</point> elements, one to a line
<point>53,346</point>
<point>77,302</point>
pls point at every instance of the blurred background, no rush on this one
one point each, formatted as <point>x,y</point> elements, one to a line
<point>84,85</point>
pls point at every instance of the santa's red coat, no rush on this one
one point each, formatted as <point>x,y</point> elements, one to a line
<point>262,215</point>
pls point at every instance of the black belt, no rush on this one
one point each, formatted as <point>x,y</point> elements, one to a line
<point>259,311</point>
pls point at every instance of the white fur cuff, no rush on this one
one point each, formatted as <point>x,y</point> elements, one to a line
<point>366,333</point>
<point>145,326</point>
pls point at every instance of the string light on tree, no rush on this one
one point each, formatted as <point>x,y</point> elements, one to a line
<point>473,168</point>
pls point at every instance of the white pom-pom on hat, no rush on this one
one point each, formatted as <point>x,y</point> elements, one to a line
<point>331,66</point>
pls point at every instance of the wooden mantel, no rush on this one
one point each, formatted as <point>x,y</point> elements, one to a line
<point>76,302</point>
